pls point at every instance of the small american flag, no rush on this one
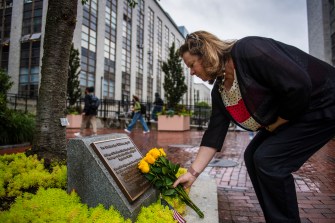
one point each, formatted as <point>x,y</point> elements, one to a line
<point>176,215</point>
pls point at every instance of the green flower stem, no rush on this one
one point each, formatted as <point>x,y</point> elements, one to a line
<point>188,201</point>
<point>159,163</point>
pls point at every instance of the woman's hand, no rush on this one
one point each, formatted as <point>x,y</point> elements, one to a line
<point>204,156</point>
<point>272,127</point>
<point>186,180</point>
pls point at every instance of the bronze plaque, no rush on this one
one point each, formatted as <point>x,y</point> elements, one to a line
<point>120,156</point>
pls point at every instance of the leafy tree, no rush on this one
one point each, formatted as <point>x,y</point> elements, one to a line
<point>174,79</point>
<point>5,85</point>
<point>73,83</point>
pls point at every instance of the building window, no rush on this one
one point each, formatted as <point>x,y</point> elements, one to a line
<point>139,49</point>
<point>110,49</point>
<point>32,17</point>
<point>166,42</point>
<point>173,39</point>
<point>30,48</point>
<point>333,48</point>
<point>29,69</point>
<point>5,24</point>
<point>159,56</point>
<point>151,29</point>
<point>88,44</point>
<point>126,49</point>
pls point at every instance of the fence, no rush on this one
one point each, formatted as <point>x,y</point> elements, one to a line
<point>112,111</point>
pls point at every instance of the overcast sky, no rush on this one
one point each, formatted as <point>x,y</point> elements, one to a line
<point>283,20</point>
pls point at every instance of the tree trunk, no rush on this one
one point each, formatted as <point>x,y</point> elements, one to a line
<point>50,137</point>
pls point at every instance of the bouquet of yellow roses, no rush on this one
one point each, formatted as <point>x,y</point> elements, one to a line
<point>161,172</point>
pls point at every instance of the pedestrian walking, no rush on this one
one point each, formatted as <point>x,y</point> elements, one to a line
<point>90,112</point>
<point>284,94</point>
<point>137,116</point>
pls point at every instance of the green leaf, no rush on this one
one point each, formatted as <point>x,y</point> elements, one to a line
<point>168,181</point>
<point>171,165</point>
<point>169,192</point>
<point>150,177</point>
<point>164,160</point>
<point>175,171</point>
<point>165,170</point>
<point>156,169</point>
<point>159,184</point>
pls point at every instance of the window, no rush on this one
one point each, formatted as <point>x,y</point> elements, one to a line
<point>30,47</point>
<point>88,44</point>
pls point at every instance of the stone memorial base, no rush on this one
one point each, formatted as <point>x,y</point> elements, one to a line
<point>92,181</point>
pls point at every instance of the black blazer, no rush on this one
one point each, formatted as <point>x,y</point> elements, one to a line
<point>275,79</point>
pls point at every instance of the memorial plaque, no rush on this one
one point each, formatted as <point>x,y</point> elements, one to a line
<point>120,157</point>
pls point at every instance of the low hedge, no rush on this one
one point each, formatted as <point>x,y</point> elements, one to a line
<point>30,193</point>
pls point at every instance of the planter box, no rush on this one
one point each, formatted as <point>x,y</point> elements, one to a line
<point>174,123</point>
<point>74,121</point>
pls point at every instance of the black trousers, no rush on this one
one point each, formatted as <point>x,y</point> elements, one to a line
<point>271,158</point>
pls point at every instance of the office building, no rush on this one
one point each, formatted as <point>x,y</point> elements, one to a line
<point>121,48</point>
<point>321,29</point>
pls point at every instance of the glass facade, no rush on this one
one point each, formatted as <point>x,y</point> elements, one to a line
<point>166,42</point>
<point>5,24</point>
<point>150,55</point>
<point>139,49</point>
<point>121,48</point>
<point>159,56</point>
<point>88,44</point>
<point>30,48</point>
<point>110,49</point>
<point>126,50</point>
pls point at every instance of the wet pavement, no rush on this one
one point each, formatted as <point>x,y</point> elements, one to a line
<point>237,201</point>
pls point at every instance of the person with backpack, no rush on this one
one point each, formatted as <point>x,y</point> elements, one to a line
<point>137,116</point>
<point>158,106</point>
<point>90,111</point>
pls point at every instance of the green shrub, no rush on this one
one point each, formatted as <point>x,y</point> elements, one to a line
<point>22,176</point>
<point>155,213</point>
<point>16,127</point>
<point>5,85</point>
<point>55,205</point>
<point>19,173</point>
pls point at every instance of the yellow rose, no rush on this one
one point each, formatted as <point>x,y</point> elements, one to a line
<point>161,150</point>
<point>149,158</point>
<point>144,167</point>
<point>155,153</point>
<point>141,163</point>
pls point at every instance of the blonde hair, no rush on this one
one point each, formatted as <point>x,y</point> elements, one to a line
<point>212,51</point>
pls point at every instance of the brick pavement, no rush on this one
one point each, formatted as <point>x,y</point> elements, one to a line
<point>236,198</point>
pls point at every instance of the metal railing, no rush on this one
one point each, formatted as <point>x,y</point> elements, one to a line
<point>112,110</point>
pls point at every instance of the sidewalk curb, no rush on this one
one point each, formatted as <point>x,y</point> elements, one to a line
<point>204,194</point>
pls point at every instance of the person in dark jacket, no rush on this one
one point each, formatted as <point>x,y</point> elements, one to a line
<point>284,94</point>
<point>89,114</point>
<point>158,106</point>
